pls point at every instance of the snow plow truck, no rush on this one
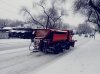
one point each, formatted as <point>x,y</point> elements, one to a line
<point>52,41</point>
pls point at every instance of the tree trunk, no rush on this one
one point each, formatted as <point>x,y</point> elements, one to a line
<point>47,22</point>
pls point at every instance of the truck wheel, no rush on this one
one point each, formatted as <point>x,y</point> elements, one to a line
<point>45,47</point>
<point>44,50</point>
<point>61,50</point>
<point>68,47</point>
<point>55,52</point>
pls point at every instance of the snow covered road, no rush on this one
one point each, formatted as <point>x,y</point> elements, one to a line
<point>19,60</point>
<point>83,60</point>
<point>8,44</point>
<point>23,62</point>
<point>15,58</point>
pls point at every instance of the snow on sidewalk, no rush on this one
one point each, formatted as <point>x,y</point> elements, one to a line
<point>83,60</point>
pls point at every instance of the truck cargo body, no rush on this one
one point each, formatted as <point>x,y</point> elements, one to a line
<point>48,40</point>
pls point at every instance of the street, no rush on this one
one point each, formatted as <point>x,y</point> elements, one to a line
<point>15,57</point>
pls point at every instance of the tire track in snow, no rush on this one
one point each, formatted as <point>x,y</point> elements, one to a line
<point>24,63</point>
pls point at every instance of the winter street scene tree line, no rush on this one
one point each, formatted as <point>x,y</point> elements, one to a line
<point>49,36</point>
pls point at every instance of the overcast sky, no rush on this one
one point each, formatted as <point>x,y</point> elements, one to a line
<point>10,9</point>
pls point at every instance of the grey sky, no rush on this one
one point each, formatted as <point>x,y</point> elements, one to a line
<point>11,9</point>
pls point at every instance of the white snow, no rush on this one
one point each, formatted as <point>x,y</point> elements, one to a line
<point>8,28</point>
<point>83,60</point>
<point>15,58</point>
<point>13,51</point>
<point>20,60</point>
<point>13,42</point>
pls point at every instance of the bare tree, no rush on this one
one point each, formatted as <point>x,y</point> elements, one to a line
<point>91,8</point>
<point>2,23</point>
<point>9,23</point>
<point>84,28</point>
<point>50,18</point>
<point>15,23</point>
